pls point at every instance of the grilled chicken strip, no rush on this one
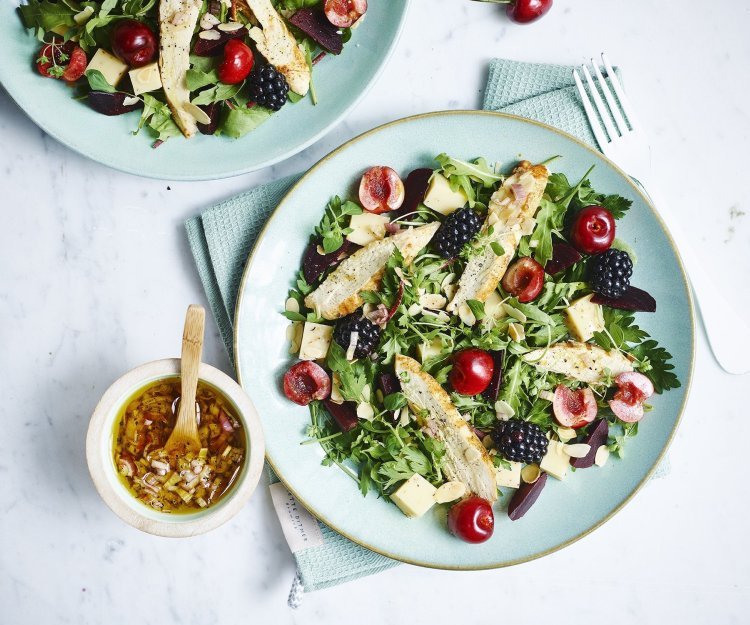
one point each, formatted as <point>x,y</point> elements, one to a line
<point>339,295</point>
<point>581,361</point>
<point>511,215</point>
<point>177,20</point>
<point>279,47</point>
<point>466,459</point>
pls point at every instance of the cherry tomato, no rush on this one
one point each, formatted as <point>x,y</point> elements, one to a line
<point>381,190</point>
<point>524,279</point>
<point>237,64</point>
<point>343,13</point>
<point>574,409</point>
<point>472,371</point>
<point>76,65</point>
<point>133,43</point>
<point>527,11</point>
<point>593,230</point>
<point>472,520</point>
<point>305,382</point>
<point>52,56</point>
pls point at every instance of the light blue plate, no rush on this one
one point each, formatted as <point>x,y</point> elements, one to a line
<point>566,510</point>
<point>340,83</point>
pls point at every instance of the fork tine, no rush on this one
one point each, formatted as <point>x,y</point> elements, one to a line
<point>596,127</point>
<point>600,106</point>
<point>624,101</point>
<point>613,106</point>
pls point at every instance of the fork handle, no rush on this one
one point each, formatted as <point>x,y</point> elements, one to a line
<point>728,333</point>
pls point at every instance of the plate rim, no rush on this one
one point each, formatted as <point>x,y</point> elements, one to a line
<point>112,164</point>
<point>683,275</point>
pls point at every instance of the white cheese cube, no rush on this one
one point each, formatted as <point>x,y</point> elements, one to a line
<point>509,477</point>
<point>556,461</point>
<point>441,198</point>
<point>366,228</point>
<point>112,68</point>
<point>316,339</point>
<point>146,78</point>
<point>415,496</point>
<point>583,318</point>
<point>427,350</point>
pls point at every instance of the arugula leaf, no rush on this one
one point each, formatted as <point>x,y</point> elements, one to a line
<point>477,170</point>
<point>476,307</point>
<point>157,117</point>
<point>238,122</point>
<point>197,78</point>
<point>331,228</point>
<point>217,94</point>
<point>46,14</point>
<point>98,82</point>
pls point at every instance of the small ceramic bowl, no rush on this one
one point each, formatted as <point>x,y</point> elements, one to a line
<point>99,444</point>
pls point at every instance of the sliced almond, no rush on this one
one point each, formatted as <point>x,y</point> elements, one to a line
<point>577,450</point>
<point>230,27</point>
<point>602,455</point>
<point>566,434</point>
<point>404,417</point>
<point>514,312</point>
<point>530,473</point>
<point>353,339</point>
<point>466,316</point>
<point>433,300</point>
<point>336,396</point>
<point>449,279</point>
<point>198,113</point>
<point>365,411</point>
<point>450,291</point>
<point>414,310</point>
<point>516,332</point>
<point>209,20</point>
<point>503,410</point>
<point>291,305</point>
<point>130,100</point>
<point>450,491</point>
<point>366,392</point>
<point>210,35</point>
<point>83,16</point>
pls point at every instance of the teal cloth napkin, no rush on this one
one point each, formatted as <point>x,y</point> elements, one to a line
<point>221,239</point>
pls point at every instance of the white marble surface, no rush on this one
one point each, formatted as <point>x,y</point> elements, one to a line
<point>95,275</point>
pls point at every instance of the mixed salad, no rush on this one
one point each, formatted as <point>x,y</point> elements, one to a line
<point>209,66</point>
<point>465,331</point>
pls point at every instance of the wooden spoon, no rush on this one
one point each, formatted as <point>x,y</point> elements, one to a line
<point>184,437</point>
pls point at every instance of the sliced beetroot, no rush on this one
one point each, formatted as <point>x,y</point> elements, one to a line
<point>493,389</point>
<point>315,263</point>
<point>214,47</point>
<point>563,256</point>
<point>388,383</point>
<point>525,497</point>
<point>634,299</point>
<point>345,415</point>
<point>213,111</point>
<point>416,184</point>
<point>112,103</point>
<point>316,26</point>
<point>596,437</point>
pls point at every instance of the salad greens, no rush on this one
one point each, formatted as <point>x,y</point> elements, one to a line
<point>387,449</point>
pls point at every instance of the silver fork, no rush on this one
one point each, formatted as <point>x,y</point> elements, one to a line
<point>622,139</point>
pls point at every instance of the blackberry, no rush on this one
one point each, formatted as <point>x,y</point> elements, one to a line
<point>368,334</point>
<point>610,273</point>
<point>520,441</point>
<point>268,87</point>
<point>457,230</point>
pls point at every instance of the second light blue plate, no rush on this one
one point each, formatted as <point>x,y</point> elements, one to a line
<point>566,510</point>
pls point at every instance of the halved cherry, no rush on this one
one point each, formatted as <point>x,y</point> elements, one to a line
<point>633,389</point>
<point>574,409</point>
<point>524,279</point>
<point>343,13</point>
<point>305,382</point>
<point>381,190</point>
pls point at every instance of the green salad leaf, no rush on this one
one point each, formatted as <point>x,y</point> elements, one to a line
<point>238,122</point>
